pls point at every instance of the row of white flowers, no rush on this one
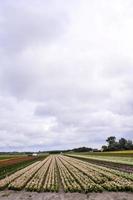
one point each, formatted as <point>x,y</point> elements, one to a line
<point>126,175</point>
<point>84,168</point>
<point>21,181</point>
<point>51,182</point>
<point>86,183</point>
<point>35,184</point>
<point>110,179</point>
<point>68,181</point>
<point>6,181</point>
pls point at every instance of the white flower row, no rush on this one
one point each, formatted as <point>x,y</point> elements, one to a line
<point>5,182</point>
<point>68,181</point>
<point>110,179</point>
<point>86,183</point>
<point>51,181</point>
<point>21,181</point>
<point>35,184</point>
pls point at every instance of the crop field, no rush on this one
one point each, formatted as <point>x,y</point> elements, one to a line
<point>61,173</point>
<point>6,158</point>
<point>13,164</point>
<point>123,153</point>
<point>117,159</point>
<point>121,160</point>
<point>121,163</point>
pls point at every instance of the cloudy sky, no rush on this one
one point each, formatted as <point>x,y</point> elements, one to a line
<point>66,73</point>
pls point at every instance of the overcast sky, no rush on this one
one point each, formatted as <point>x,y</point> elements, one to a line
<point>66,73</point>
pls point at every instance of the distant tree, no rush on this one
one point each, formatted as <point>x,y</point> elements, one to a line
<point>112,144</point>
<point>104,148</point>
<point>129,145</point>
<point>122,143</point>
<point>111,140</point>
<point>82,149</point>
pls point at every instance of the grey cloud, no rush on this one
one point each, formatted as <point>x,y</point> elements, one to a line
<point>65,73</point>
<point>26,25</point>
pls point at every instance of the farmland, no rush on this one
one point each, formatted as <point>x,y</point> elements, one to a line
<point>119,160</point>
<point>116,159</point>
<point>11,164</point>
<point>123,153</point>
<point>61,173</point>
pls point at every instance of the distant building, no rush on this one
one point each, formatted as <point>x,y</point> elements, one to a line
<point>34,154</point>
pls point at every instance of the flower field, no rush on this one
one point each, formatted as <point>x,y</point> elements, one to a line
<point>114,159</point>
<point>124,164</point>
<point>10,164</point>
<point>58,172</point>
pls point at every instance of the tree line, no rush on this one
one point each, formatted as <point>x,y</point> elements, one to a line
<point>114,145</point>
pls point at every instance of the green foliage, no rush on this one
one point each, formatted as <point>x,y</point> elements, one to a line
<point>114,145</point>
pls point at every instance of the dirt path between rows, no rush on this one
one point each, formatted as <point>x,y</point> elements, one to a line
<point>22,195</point>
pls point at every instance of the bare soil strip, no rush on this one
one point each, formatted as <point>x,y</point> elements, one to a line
<point>22,195</point>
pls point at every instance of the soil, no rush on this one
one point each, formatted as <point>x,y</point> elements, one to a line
<point>22,195</point>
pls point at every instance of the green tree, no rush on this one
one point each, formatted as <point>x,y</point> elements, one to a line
<point>129,145</point>
<point>104,148</point>
<point>122,143</point>
<point>112,144</point>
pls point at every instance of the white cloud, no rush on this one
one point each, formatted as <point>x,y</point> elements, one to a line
<point>65,73</point>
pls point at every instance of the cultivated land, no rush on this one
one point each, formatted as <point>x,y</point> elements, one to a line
<point>119,160</point>
<point>123,157</point>
<point>58,173</point>
<point>11,164</point>
<point>125,153</point>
